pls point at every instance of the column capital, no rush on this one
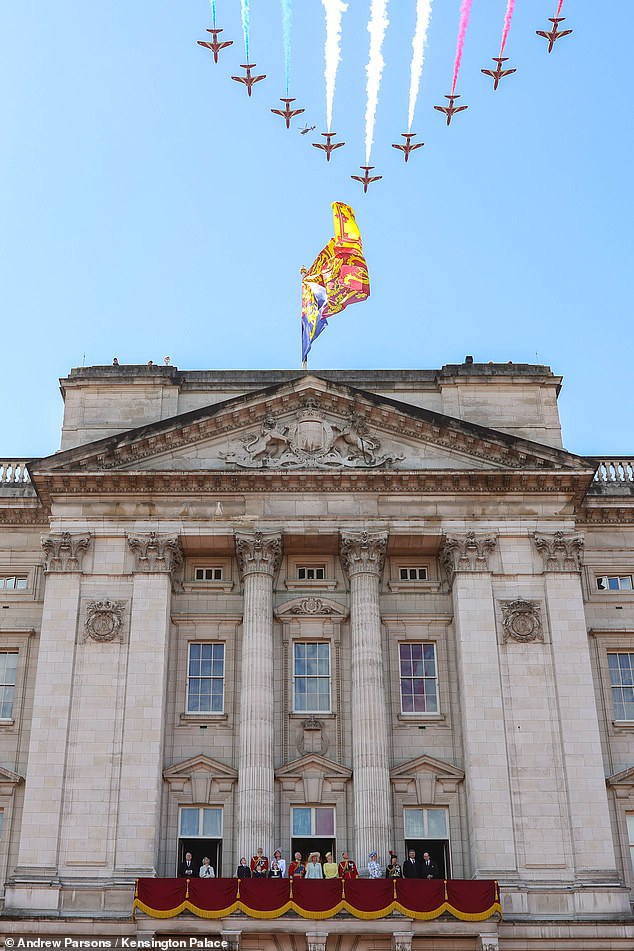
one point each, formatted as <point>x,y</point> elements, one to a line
<point>258,552</point>
<point>560,551</point>
<point>64,552</point>
<point>155,553</point>
<point>465,552</point>
<point>363,552</point>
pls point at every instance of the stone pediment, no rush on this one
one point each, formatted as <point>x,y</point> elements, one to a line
<point>424,776</point>
<point>314,774</point>
<point>201,776</point>
<point>309,424</point>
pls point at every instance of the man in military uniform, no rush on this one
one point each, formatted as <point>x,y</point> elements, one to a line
<point>347,868</point>
<point>259,864</point>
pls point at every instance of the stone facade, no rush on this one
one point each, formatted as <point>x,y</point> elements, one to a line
<point>352,610</point>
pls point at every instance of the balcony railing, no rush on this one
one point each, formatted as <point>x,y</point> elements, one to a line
<point>13,472</point>
<point>618,470</point>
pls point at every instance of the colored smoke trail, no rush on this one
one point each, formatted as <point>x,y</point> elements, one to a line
<point>334,10</point>
<point>287,21</point>
<point>508,16</point>
<point>423,16</point>
<point>465,11</point>
<point>561,3</point>
<point>246,24</point>
<point>377,26</point>
<point>213,11</point>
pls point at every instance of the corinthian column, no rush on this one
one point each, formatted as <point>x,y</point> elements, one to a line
<point>363,555</point>
<point>258,557</point>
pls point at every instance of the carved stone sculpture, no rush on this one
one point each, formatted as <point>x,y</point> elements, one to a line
<point>560,552</point>
<point>104,620</point>
<point>258,552</point>
<point>64,552</point>
<point>363,552</point>
<point>469,552</point>
<point>522,621</point>
<point>155,553</point>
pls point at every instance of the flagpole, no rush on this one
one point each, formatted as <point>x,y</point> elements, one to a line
<point>303,272</point>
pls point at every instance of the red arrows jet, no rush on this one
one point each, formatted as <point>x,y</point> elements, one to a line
<point>215,46</point>
<point>366,179</point>
<point>328,146</point>
<point>451,110</point>
<point>409,146</point>
<point>499,73</point>
<point>553,34</point>
<point>248,80</point>
<point>287,113</point>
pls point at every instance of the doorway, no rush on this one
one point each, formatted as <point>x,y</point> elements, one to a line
<point>438,850</point>
<point>199,848</point>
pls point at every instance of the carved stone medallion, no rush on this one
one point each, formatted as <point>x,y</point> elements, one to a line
<point>522,621</point>
<point>104,620</point>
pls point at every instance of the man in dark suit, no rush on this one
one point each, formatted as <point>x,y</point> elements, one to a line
<point>429,868</point>
<point>411,868</point>
<point>186,868</point>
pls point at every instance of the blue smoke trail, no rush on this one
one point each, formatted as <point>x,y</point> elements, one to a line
<point>246,25</point>
<point>213,11</point>
<point>287,20</point>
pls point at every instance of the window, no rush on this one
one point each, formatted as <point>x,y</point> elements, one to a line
<point>309,821</point>
<point>8,670</point>
<point>419,686</point>
<point>311,572</point>
<point>203,822</point>
<point>615,583</point>
<point>621,667</point>
<point>425,824</point>
<point>311,677</point>
<point>13,582</point>
<point>207,574</point>
<point>412,574</point>
<point>630,836</point>
<point>205,678</point>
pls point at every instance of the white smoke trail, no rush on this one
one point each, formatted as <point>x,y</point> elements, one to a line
<point>334,10</point>
<point>377,26</point>
<point>287,22</point>
<point>423,16</point>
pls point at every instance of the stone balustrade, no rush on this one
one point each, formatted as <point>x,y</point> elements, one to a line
<point>14,472</point>
<point>618,470</point>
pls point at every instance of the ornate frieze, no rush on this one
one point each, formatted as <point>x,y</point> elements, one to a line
<point>363,552</point>
<point>312,606</point>
<point>311,441</point>
<point>560,552</point>
<point>65,552</point>
<point>469,552</point>
<point>259,552</point>
<point>104,620</point>
<point>521,620</point>
<point>156,553</point>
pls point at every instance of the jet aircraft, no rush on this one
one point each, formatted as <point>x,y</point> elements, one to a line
<point>499,73</point>
<point>451,110</point>
<point>554,34</point>
<point>409,146</point>
<point>287,113</point>
<point>328,146</point>
<point>366,179</point>
<point>214,45</point>
<point>248,80</point>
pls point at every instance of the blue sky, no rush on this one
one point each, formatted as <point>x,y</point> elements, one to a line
<point>149,208</point>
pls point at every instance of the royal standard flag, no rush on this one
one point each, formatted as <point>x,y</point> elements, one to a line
<point>337,277</point>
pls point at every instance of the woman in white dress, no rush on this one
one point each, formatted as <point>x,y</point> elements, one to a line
<point>206,869</point>
<point>277,855</point>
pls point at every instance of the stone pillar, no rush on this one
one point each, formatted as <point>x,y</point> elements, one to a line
<point>41,817</point>
<point>592,840</point>
<point>140,786</point>
<point>259,556</point>
<point>316,940</point>
<point>363,556</point>
<point>464,560</point>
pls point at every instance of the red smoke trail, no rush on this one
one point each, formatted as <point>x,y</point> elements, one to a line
<point>561,3</point>
<point>465,10</point>
<point>508,16</point>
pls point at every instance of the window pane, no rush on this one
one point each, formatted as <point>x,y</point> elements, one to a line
<point>301,821</point>
<point>414,824</point>
<point>212,823</point>
<point>437,823</point>
<point>189,821</point>
<point>324,822</point>
<point>626,583</point>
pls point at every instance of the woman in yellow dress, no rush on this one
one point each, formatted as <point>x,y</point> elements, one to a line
<point>331,869</point>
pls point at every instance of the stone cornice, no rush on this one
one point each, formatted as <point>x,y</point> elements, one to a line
<point>35,515</point>
<point>252,409</point>
<point>423,481</point>
<point>606,512</point>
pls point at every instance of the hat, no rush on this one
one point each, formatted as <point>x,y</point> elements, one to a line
<point>371,855</point>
